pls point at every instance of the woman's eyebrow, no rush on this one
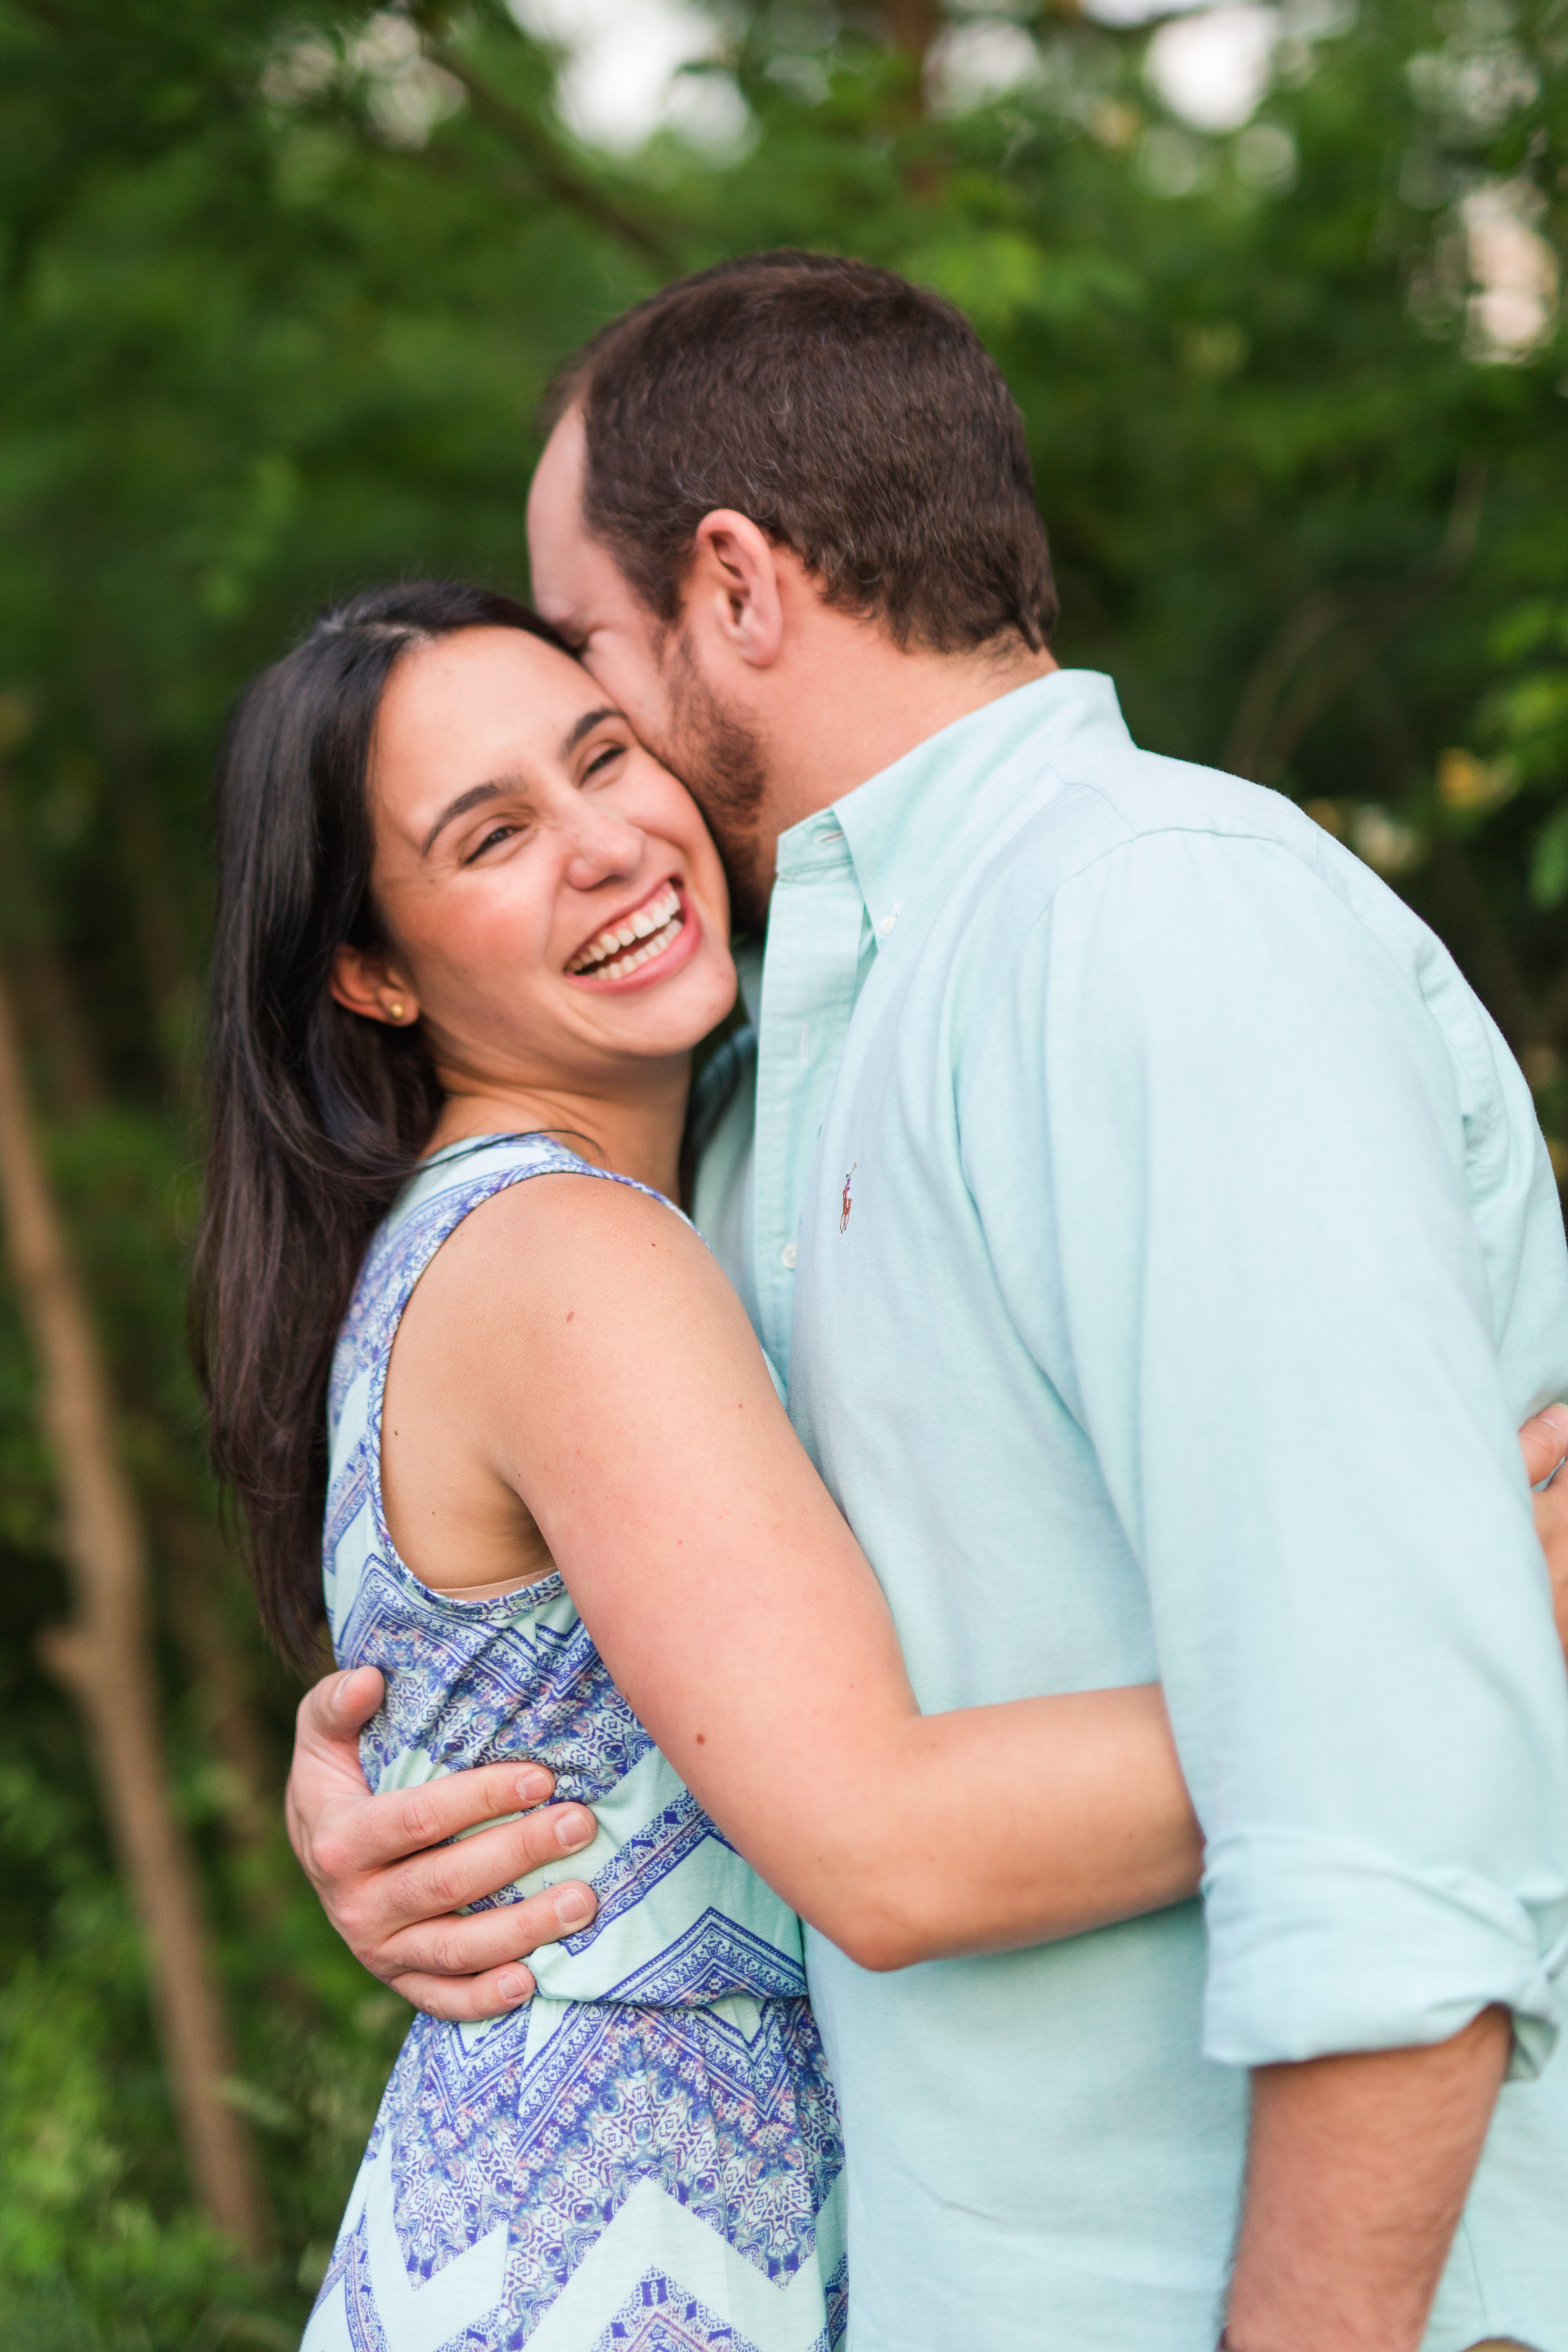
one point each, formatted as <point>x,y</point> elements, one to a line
<point>463,803</point>
<point>585,725</point>
<point>488,792</point>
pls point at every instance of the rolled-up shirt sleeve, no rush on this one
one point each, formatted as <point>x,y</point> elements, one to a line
<point>1277,1325</point>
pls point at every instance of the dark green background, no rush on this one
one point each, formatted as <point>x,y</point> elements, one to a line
<point>256,351</point>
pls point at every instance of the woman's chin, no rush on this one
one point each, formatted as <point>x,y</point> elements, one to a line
<point>677,1017</point>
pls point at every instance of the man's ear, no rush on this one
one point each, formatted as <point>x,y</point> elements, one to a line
<point>365,983</point>
<point>733,586</point>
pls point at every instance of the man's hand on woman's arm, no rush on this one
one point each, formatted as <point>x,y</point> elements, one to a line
<point>394,1887</point>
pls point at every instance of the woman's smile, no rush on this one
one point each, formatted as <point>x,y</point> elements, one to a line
<point>644,944</point>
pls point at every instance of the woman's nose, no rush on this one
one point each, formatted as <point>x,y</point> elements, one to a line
<point>603,846</point>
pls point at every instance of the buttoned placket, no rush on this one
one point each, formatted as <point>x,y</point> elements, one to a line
<point>820,939</point>
<point>833,909</point>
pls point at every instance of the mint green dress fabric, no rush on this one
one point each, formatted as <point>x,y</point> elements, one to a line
<point>648,2158</point>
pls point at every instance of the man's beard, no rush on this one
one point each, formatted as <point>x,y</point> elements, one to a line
<point>723,762</point>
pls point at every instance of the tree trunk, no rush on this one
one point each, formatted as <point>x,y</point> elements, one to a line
<point>105,1659</point>
<point>199,1568</point>
<point>913,24</point>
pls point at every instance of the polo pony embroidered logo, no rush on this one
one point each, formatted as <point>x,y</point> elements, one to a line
<point>849,1203</point>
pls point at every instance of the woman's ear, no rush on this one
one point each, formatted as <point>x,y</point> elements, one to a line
<point>365,983</point>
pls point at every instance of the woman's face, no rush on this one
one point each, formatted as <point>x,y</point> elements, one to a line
<point>554,906</point>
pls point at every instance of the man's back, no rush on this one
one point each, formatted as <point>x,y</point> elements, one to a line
<point>1172,1173</point>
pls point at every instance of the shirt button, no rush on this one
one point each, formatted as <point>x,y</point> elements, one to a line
<point>789,1254</point>
<point>885,925</point>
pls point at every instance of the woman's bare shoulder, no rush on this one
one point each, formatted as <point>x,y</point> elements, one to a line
<point>566,1307</point>
<point>569,1229</point>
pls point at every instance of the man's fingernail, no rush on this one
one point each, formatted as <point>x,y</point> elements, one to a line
<point>532,1785</point>
<point>574,1830</point>
<point>573,1906</point>
<point>514,1986</point>
<point>1556,1417</point>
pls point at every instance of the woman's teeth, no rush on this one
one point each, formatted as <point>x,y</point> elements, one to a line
<point>648,932</point>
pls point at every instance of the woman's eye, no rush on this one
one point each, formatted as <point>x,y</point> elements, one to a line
<point>497,833</point>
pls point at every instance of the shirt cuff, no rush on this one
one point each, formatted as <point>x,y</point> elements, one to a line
<point>1317,1946</point>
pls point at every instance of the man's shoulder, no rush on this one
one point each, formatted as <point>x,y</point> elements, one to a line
<point>1156,865</point>
<point>1123,863</point>
<point>1153,793</point>
<point>1101,814</point>
<point>1115,798</point>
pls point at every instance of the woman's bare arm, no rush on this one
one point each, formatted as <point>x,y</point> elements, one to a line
<point>391,1900</point>
<point>610,1379</point>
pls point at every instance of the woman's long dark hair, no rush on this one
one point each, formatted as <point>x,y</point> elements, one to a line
<point>317,1115</point>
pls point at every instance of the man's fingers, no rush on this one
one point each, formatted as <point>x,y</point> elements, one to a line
<point>379,1831</point>
<point>453,1875</point>
<point>339,1707</point>
<point>351,1697</point>
<point>461,1799</point>
<point>466,2001</point>
<point>325,1772</point>
<point>1543,1441</point>
<point>477,1943</point>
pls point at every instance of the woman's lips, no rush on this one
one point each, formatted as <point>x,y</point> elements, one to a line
<point>626,934</point>
<point>666,932</point>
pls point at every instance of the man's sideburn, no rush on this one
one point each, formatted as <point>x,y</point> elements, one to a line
<point>723,763</point>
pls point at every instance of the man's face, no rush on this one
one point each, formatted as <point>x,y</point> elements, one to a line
<point>649,672</point>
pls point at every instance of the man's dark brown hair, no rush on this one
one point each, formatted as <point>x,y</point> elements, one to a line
<point>856,419</point>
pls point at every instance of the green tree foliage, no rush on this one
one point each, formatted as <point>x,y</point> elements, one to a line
<point>281,283</point>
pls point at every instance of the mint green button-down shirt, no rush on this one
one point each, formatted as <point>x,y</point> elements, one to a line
<point>1157,1241</point>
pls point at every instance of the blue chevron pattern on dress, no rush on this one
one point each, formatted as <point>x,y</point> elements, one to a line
<point>645,1858</point>
<point>737,2130</point>
<point>493,1686</point>
<point>351,2264</point>
<point>671,2052</point>
<point>659,2317</point>
<point>709,1962</point>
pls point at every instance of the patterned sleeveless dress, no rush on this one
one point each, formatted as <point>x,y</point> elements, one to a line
<point>647,2158</point>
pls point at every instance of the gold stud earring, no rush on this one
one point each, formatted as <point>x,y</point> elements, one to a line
<point>395,1009</point>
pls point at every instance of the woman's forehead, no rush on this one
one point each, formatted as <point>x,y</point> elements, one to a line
<point>507,655</point>
<point>469,708</point>
<point>477,684</point>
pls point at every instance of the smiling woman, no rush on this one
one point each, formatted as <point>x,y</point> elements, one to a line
<point>558,926</point>
<point>427,750</point>
<point>464,917</point>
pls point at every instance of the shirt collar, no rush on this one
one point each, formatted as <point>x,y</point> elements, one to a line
<point>899,822</point>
